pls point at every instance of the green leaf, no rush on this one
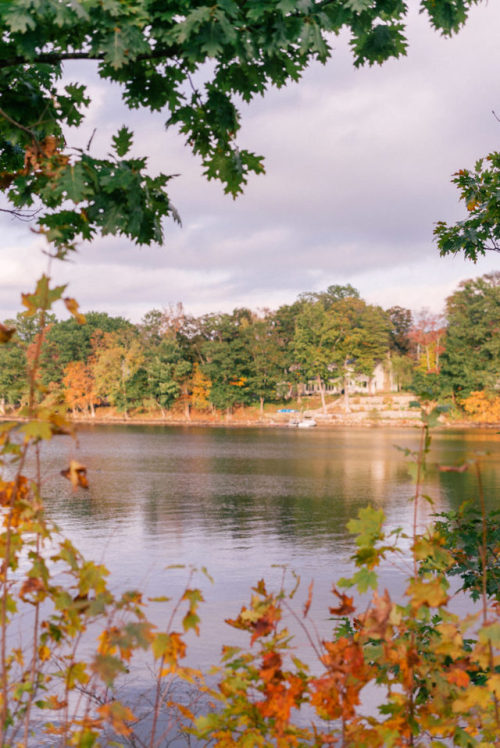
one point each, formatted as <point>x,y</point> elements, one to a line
<point>73,183</point>
<point>368,526</point>
<point>490,633</point>
<point>358,6</point>
<point>122,141</point>
<point>287,6</point>
<point>160,644</point>
<point>365,579</point>
<point>36,430</point>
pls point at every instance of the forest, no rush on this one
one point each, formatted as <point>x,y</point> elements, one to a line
<point>221,362</point>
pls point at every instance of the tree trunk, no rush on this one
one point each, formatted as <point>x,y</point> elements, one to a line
<point>347,407</point>
<point>2,406</point>
<point>321,386</point>
<point>261,410</point>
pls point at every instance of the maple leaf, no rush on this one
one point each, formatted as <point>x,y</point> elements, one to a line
<point>77,474</point>
<point>431,593</point>
<point>31,585</point>
<point>375,621</point>
<point>458,677</point>
<point>43,298</point>
<point>264,625</point>
<point>345,608</point>
<point>118,715</point>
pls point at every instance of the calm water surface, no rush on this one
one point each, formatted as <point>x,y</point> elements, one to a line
<point>245,502</point>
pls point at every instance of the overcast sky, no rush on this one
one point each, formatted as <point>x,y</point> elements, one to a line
<point>358,168</point>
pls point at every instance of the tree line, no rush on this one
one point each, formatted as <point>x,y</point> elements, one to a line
<point>220,361</point>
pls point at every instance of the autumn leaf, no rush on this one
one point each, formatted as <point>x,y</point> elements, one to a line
<point>72,306</point>
<point>453,468</point>
<point>431,593</point>
<point>6,333</point>
<point>118,715</point>
<point>32,585</point>
<point>77,474</point>
<point>458,677</point>
<point>308,602</point>
<point>345,608</point>
<point>43,298</point>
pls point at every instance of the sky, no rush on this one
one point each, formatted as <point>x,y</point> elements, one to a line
<point>358,170</point>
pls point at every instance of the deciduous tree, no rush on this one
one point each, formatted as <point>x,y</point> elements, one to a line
<point>153,51</point>
<point>79,385</point>
<point>471,360</point>
<point>480,231</point>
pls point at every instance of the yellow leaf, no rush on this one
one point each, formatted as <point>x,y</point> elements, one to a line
<point>72,306</point>
<point>493,684</point>
<point>44,653</point>
<point>450,642</point>
<point>431,593</point>
<point>77,474</point>
<point>474,696</point>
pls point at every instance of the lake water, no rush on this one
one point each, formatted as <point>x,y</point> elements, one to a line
<point>245,502</point>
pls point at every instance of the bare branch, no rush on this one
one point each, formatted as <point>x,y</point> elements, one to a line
<point>17,124</point>
<point>52,58</point>
<point>22,215</point>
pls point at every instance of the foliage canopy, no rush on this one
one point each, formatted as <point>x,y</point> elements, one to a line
<point>158,51</point>
<point>480,230</point>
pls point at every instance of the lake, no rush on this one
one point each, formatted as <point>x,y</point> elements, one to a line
<point>244,503</point>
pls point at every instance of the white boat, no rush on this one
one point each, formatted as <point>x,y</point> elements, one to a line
<point>307,422</point>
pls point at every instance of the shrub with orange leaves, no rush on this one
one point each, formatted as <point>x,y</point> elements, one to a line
<point>483,407</point>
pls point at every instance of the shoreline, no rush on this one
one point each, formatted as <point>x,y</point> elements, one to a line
<point>267,423</point>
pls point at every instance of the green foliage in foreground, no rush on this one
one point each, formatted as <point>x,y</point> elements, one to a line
<point>479,189</point>
<point>195,61</point>
<point>462,533</point>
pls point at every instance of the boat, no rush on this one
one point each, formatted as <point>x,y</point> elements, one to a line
<point>307,422</point>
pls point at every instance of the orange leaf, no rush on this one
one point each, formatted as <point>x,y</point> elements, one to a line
<point>118,715</point>
<point>72,307</point>
<point>458,677</point>
<point>307,604</point>
<point>453,469</point>
<point>345,608</point>
<point>77,474</point>
<point>6,333</point>
<point>31,585</point>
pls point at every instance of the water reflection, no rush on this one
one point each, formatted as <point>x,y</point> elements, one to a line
<point>239,501</point>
